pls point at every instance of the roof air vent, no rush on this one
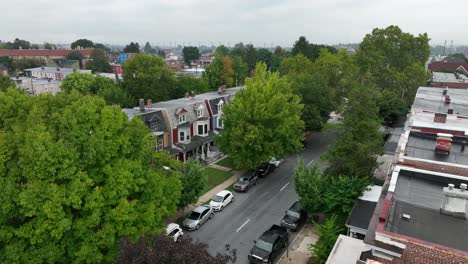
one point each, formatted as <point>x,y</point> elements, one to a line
<point>406,217</point>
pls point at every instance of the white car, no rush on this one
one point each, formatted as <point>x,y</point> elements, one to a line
<point>174,230</point>
<point>221,200</point>
<point>275,161</point>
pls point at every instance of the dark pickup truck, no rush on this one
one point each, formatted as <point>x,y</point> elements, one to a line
<point>269,246</point>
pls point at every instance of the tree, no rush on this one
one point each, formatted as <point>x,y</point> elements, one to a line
<point>162,249</point>
<point>85,179</point>
<point>391,107</point>
<point>392,59</point>
<point>35,46</point>
<point>49,46</point>
<point>99,62</point>
<point>214,73</point>
<point>278,55</point>
<point>82,43</point>
<point>27,63</point>
<point>311,51</point>
<point>328,233</point>
<point>190,54</point>
<point>132,48</point>
<point>19,44</point>
<point>187,84</point>
<point>146,76</point>
<point>80,82</point>
<point>250,57</point>
<point>228,71</point>
<point>162,54</point>
<point>5,83</point>
<point>239,50</point>
<point>310,186</point>
<point>102,47</point>
<point>8,62</point>
<point>240,71</point>
<point>148,48</point>
<point>223,50</point>
<point>76,55</point>
<point>358,140</point>
<point>193,181</point>
<point>264,55</point>
<point>262,121</point>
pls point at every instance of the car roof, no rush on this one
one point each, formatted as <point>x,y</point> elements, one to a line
<point>200,209</point>
<point>296,207</point>
<point>170,227</point>
<point>269,236</point>
<point>223,193</point>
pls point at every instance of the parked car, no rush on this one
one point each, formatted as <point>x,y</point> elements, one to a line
<point>265,169</point>
<point>269,246</point>
<point>245,182</point>
<point>174,231</point>
<point>221,200</point>
<point>197,217</point>
<point>295,217</point>
<point>275,161</point>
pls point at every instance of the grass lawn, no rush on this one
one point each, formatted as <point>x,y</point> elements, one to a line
<point>215,178</point>
<point>226,162</point>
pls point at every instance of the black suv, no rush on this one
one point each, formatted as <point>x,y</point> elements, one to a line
<point>264,169</point>
<point>295,217</point>
<point>270,245</point>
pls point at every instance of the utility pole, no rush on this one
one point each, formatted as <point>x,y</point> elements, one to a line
<point>445,44</point>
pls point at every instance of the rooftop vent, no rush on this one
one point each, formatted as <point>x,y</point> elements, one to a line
<point>454,202</point>
<point>450,111</point>
<point>447,99</point>
<point>149,103</point>
<point>192,94</point>
<point>406,217</point>
<point>142,104</point>
<point>443,143</point>
<point>444,91</point>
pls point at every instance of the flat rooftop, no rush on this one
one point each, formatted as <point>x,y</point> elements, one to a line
<point>431,99</point>
<point>346,250</point>
<point>450,122</point>
<point>364,207</point>
<point>420,195</point>
<point>422,146</point>
<point>449,77</point>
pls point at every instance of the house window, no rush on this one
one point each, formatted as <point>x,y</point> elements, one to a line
<point>160,144</point>
<point>199,113</point>
<point>220,106</point>
<point>202,129</point>
<point>154,126</point>
<point>181,136</point>
<point>182,119</point>
<point>220,122</point>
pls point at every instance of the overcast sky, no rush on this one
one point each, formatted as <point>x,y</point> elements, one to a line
<point>261,22</point>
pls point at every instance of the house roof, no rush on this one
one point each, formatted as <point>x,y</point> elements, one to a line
<point>431,99</point>
<point>451,122</point>
<point>449,77</point>
<point>364,207</point>
<point>54,70</point>
<point>346,250</point>
<point>41,53</point>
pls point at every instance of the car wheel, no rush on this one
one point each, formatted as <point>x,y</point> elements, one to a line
<point>177,239</point>
<point>247,189</point>
<point>198,226</point>
<point>211,215</point>
<point>222,207</point>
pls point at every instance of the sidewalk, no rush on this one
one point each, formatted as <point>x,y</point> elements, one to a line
<point>299,252</point>
<point>207,196</point>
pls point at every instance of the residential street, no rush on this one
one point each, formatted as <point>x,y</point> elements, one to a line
<point>243,221</point>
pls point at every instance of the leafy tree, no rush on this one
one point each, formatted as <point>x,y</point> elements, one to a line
<point>81,82</point>
<point>311,51</point>
<point>99,62</point>
<point>19,44</point>
<point>190,54</point>
<point>240,71</point>
<point>358,141</point>
<point>76,55</point>
<point>49,46</point>
<point>214,73</point>
<point>162,249</point>
<point>239,50</point>
<point>82,43</point>
<point>223,50</point>
<point>328,233</point>
<point>76,177</point>
<point>146,76</point>
<point>132,48</point>
<point>390,106</point>
<point>278,55</point>
<point>187,84</point>
<point>193,181</point>
<point>228,71</point>
<point>148,48</point>
<point>35,46</point>
<point>102,47</point>
<point>250,57</point>
<point>392,59</point>
<point>27,63</point>
<point>5,83</point>
<point>162,54</point>
<point>298,64</point>
<point>264,55</point>
<point>262,121</point>
<point>8,62</point>
<point>310,186</point>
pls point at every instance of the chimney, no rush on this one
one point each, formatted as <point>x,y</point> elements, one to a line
<point>450,111</point>
<point>222,89</point>
<point>447,99</point>
<point>444,91</point>
<point>142,105</point>
<point>463,187</point>
<point>149,103</point>
<point>42,68</point>
<point>451,186</point>
<point>187,96</point>
<point>192,95</point>
<point>58,69</point>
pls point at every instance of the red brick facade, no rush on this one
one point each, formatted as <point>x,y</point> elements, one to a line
<point>430,166</point>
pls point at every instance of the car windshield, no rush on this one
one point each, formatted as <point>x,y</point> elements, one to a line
<point>217,198</point>
<point>264,245</point>
<point>173,232</point>
<point>293,214</point>
<point>244,179</point>
<point>193,216</point>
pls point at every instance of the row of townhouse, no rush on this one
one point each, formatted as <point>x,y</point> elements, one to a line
<point>420,213</point>
<point>186,127</point>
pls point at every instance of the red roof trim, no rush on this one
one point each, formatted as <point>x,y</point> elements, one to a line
<point>37,53</point>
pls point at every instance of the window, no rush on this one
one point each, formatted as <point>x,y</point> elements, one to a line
<point>200,130</point>
<point>199,113</point>
<point>206,128</point>
<point>220,106</point>
<point>182,119</point>
<point>181,136</point>
<point>154,126</point>
<point>220,122</point>
<point>160,144</point>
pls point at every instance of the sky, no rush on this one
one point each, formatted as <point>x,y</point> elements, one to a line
<point>260,22</point>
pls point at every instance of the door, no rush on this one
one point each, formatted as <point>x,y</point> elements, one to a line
<point>227,199</point>
<point>204,216</point>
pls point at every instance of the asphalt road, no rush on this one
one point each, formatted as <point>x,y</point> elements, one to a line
<point>251,213</point>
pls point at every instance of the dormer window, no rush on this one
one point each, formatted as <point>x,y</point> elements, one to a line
<point>220,106</point>
<point>199,113</point>
<point>199,110</point>
<point>182,119</point>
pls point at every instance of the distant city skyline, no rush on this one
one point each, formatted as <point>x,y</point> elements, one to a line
<point>260,22</point>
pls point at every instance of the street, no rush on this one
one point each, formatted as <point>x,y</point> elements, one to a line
<point>244,220</point>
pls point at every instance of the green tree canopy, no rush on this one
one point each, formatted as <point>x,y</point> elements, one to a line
<point>27,63</point>
<point>262,121</point>
<point>49,46</point>
<point>76,55</point>
<point>225,70</point>
<point>5,83</point>
<point>133,47</point>
<point>76,176</point>
<point>99,62</point>
<point>146,76</point>
<point>188,84</point>
<point>16,44</point>
<point>190,54</point>
<point>250,58</point>
<point>358,139</point>
<point>311,51</point>
<point>328,233</point>
<point>102,47</point>
<point>223,50</point>
<point>193,181</point>
<point>393,59</point>
<point>264,55</point>
<point>8,62</point>
<point>82,43</point>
